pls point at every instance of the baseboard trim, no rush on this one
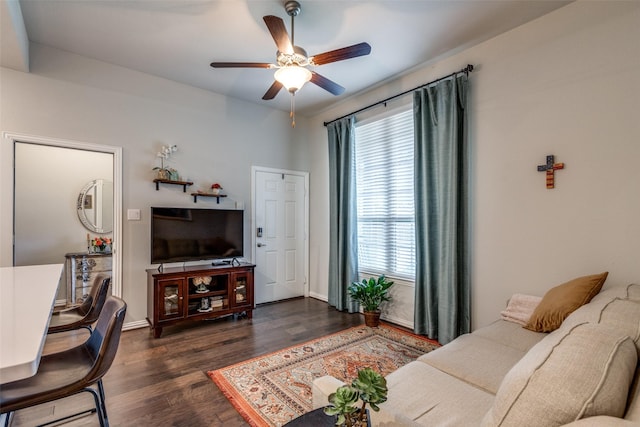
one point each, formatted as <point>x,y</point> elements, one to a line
<point>392,319</point>
<point>397,321</point>
<point>318,296</point>
<point>135,325</point>
<point>144,324</point>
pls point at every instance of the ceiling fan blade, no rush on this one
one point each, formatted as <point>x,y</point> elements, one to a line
<point>326,84</point>
<point>272,91</point>
<point>354,51</point>
<point>241,65</point>
<point>279,33</point>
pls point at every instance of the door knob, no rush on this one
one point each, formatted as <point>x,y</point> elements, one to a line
<point>261,245</point>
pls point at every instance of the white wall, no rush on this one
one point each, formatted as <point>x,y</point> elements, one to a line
<point>70,97</point>
<point>566,84</point>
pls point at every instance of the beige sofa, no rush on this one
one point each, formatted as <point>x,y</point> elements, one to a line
<point>583,374</point>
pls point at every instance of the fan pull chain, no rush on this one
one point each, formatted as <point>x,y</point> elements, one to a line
<point>292,114</point>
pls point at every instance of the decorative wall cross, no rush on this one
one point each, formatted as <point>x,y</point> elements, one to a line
<point>550,168</point>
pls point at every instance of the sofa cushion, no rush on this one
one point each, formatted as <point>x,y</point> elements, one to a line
<point>601,421</point>
<point>573,373</point>
<point>562,300</point>
<point>430,397</point>
<point>631,291</point>
<point>510,334</point>
<point>623,315</point>
<point>633,405</point>
<point>476,360</point>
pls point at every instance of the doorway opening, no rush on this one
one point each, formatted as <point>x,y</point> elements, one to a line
<point>50,176</point>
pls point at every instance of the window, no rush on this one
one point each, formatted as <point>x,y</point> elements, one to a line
<point>384,187</point>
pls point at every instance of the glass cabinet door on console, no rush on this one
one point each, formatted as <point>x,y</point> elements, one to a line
<point>242,288</point>
<point>172,294</point>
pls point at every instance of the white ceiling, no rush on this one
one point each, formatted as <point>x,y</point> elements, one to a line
<point>177,39</point>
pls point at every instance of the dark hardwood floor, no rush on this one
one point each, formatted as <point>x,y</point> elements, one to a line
<point>163,382</point>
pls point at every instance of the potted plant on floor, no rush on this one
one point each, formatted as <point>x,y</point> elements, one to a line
<point>369,387</point>
<point>370,294</point>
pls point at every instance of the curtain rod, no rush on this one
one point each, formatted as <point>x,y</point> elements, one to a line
<point>466,70</point>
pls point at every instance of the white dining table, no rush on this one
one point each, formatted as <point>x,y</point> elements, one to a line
<point>27,297</point>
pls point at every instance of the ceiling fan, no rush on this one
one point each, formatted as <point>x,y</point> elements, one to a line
<point>292,61</point>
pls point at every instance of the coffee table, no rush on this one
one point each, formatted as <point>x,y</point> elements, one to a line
<point>316,418</point>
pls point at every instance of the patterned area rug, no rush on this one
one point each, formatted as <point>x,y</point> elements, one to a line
<point>273,389</point>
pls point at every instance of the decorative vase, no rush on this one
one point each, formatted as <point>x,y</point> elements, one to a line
<point>372,318</point>
<point>215,191</point>
<point>163,174</point>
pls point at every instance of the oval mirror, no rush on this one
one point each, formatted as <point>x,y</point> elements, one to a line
<point>95,206</point>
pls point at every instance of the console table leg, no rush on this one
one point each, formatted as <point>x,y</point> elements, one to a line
<point>157,331</point>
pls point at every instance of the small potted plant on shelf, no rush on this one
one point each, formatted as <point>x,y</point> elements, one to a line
<point>369,387</point>
<point>215,189</point>
<point>370,294</point>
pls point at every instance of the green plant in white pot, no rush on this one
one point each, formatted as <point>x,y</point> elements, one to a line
<point>370,294</point>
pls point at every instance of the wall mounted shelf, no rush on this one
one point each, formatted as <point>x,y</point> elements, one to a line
<point>184,184</point>
<point>217,196</point>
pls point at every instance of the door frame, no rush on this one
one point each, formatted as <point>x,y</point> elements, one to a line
<point>252,233</point>
<point>10,139</point>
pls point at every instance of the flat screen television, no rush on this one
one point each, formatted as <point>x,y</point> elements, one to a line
<point>183,234</point>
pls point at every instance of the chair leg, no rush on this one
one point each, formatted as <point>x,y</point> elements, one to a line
<point>103,400</point>
<point>100,408</point>
<point>7,418</point>
<point>97,397</point>
<point>88,411</point>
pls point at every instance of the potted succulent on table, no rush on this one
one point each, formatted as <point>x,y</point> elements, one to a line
<point>370,294</point>
<point>369,387</point>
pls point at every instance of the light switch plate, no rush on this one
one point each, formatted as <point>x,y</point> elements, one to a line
<point>133,214</point>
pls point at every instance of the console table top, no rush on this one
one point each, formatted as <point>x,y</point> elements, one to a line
<point>201,267</point>
<point>89,254</point>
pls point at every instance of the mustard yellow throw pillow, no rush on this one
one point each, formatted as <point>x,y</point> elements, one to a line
<point>561,301</point>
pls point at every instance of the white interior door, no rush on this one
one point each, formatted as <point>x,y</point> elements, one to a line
<point>279,236</point>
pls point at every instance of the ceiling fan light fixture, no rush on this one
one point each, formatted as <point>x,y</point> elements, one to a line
<point>293,77</point>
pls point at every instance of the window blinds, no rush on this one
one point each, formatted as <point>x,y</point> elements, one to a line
<point>384,185</point>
